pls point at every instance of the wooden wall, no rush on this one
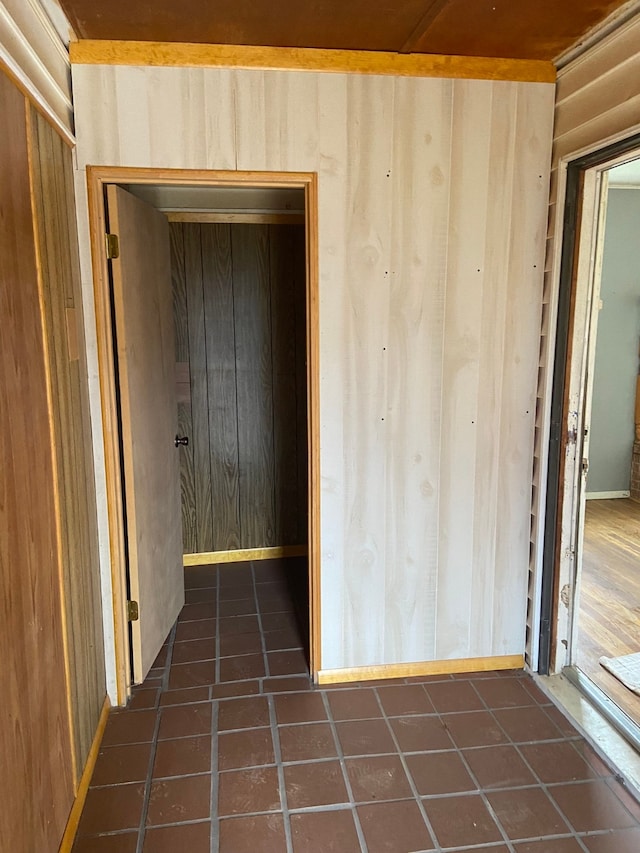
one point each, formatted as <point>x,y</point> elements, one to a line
<point>36,769</point>
<point>432,206</point>
<point>597,102</point>
<point>239,294</point>
<point>66,355</point>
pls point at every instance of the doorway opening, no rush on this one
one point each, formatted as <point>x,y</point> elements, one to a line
<point>241,260</point>
<point>591,594</point>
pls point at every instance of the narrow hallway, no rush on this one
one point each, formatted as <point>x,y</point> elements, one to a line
<point>228,748</point>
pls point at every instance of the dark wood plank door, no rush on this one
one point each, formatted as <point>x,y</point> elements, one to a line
<point>240,322</point>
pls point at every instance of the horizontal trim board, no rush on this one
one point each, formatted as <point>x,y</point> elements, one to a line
<point>104,52</point>
<point>234,218</point>
<point>409,670</point>
<point>81,795</point>
<point>604,496</point>
<point>243,555</point>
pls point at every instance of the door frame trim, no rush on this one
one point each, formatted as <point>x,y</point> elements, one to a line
<point>97,178</point>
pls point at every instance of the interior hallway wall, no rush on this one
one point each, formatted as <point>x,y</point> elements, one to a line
<point>432,208</point>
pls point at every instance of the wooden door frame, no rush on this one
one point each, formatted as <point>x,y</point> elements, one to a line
<point>97,178</point>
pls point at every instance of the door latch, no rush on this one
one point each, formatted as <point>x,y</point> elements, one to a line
<point>585,465</point>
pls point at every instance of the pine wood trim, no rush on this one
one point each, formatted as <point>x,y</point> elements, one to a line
<point>234,218</point>
<point>409,670</point>
<point>97,177</point>
<point>175,54</point>
<point>242,555</point>
<point>76,811</point>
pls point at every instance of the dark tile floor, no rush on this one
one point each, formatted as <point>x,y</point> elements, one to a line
<point>228,747</point>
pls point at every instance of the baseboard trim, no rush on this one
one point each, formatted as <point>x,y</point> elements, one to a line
<point>409,670</point>
<point>244,554</point>
<point>605,496</point>
<point>76,811</point>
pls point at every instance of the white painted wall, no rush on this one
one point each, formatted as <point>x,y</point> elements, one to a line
<point>432,211</point>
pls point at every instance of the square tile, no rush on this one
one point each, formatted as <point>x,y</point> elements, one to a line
<point>250,748</point>
<point>199,596</point>
<point>259,834</point>
<point>567,729</point>
<point>129,727</point>
<point>324,832</point>
<point>307,742</point>
<point>197,630</point>
<point>499,767</point>
<point>394,827</point>
<point>420,734</point>
<point>591,806</point>
<point>111,809</point>
<point>504,693</point>
<point>405,699</point>
<point>194,837</point>
<point>182,757</point>
<point>439,773</point>
<point>246,791</point>
<point>193,612</point>
<point>123,842</point>
<point>293,662</point>
<point>556,845</point>
<point>144,698</point>
<point>246,713</point>
<point>478,728</point>
<point>287,638</point>
<point>241,667</point>
<point>286,684</point>
<point>197,577</point>
<point>240,644</point>
<point>275,603</point>
<point>234,689</point>
<point>299,708</point>
<point>448,696</point>
<point>192,674</point>
<point>118,764</point>
<point>239,607</point>
<point>524,725</point>
<point>360,704</point>
<point>365,737</point>
<point>319,784</point>
<point>616,841</point>
<point>380,777</point>
<point>184,697</point>
<point>279,622</point>
<point>183,799</point>
<point>461,821</point>
<point>527,813</point>
<point>194,650</point>
<point>238,625</point>
<point>185,720</point>
<point>557,762</point>
<point>626,797</point>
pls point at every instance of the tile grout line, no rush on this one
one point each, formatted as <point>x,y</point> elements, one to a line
<point>215,782</point>
<point>539,781</point>
<point>265,658</point>
<point>343,768</point>
<point>218,594</point>
<point>284,805</point>
<point>148,783</point>
<point>416,795</point>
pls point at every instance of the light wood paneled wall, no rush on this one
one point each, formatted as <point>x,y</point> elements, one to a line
<point>239,310</point>
<point>597,102</point>
<point>36,768</point>
<point>432,205</point>
<point>54,210</point>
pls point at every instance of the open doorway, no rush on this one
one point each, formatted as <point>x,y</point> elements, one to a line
<point>242,268</point>
<point>593,523</point>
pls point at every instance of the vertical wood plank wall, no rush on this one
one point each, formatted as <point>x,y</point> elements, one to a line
<point>597,101</point>
<point>240,334</point>
<point>36,773</point>
<point>66,354</point>
<point>432,207</point>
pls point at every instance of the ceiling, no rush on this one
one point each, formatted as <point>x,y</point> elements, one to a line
<point>519,29</point>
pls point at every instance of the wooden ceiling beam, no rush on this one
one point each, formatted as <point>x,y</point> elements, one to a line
<point>88,52</point>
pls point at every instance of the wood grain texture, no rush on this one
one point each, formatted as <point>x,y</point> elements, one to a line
<point>392,553</point>
<point>609,605</point>
<point>62,300</point>
<point>413,670</point>
<point>223,436</point>
<point>183,55</point>
<point>241,555</point>
<point>36,781</point>
<point>146,363</point>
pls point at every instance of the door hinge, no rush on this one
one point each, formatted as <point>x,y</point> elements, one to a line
<point>133,613</point>
<point>113,247</point>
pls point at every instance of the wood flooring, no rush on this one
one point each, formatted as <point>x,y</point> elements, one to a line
<point>609,607</point>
